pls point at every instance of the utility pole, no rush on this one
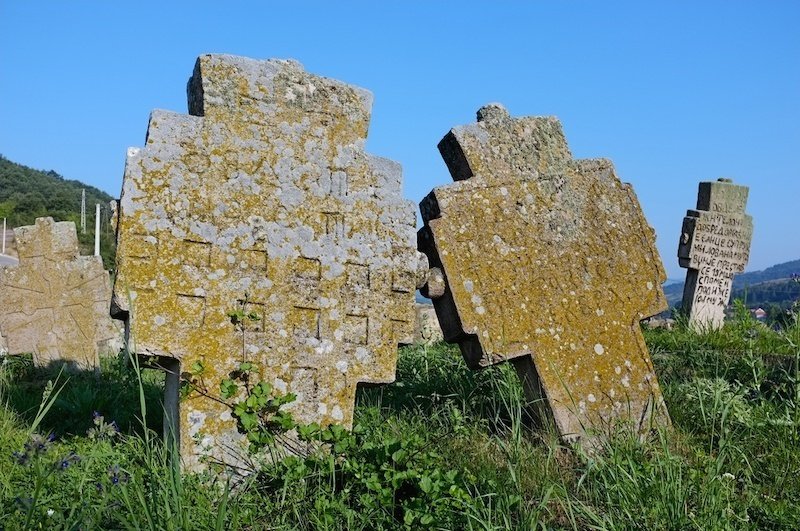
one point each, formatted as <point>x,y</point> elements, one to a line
<point>4,236</point>
<point>97,229</point>
<point>83,211</point>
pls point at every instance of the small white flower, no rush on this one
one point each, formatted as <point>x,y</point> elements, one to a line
<point>728,475</point>
<point>50,512</point>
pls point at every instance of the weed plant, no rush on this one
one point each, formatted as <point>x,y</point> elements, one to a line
<point>442,448</point>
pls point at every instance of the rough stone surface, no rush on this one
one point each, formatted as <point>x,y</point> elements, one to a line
<point>55,303</point>
<point>714,246</point>
<point>427,330</point>
<point>265,189</point>
<point>549,263</point>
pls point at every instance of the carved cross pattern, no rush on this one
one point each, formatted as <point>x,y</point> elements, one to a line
<point>54,303</point>
<point>266,190</point>
<point>549,263</point>
<point>714,246</point>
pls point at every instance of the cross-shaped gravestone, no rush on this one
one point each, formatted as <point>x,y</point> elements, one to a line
<point>264,193</point>
<point>549,263</point>
<point>55,303</point>
<point>714,245</point>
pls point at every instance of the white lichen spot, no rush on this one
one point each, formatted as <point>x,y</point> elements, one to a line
<point>336,413</point>
<point>626,381</point>
<point>598,349</point>
<point>195,420</point>
<point>649,286</point>
<point>341,366</point>
<point>322,409</point>
<point>469,286</point>
<point>618,369</point>
<point>362,354</point>
<point>279,385</point>
<point>599,312</point>
<point>480,310</point>
<point>592,398</point>
<point>159,320</point>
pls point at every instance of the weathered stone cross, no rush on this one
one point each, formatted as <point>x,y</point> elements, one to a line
<point>714,245</point>
<point>54,303</point>
<point>549,263</point>
<point>265,189</point>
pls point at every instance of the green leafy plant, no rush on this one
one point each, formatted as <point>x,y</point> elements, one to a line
<point>256,406</point>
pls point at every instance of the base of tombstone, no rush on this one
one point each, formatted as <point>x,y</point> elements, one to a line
<point>595,431</point>
<point>233,455</point>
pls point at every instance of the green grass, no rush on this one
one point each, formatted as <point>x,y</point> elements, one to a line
<point>443,447</point>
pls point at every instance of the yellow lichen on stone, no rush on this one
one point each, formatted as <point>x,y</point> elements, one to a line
<point>55,302</point>
<point>266,190</point>
<point>548,260</point>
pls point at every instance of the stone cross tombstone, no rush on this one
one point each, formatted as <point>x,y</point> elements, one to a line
<point>549,263</point>
<point>263,195</point>
<point>714,245</point>
<point>55,302</point>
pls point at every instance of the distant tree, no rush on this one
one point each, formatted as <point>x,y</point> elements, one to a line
<point>26,194</point>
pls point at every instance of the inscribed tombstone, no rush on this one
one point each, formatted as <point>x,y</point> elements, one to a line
<point>714,246</point>
<point>55,302</point>
<point>550,264</point>
<point>264,193</point>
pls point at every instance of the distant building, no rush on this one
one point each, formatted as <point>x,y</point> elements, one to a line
<point>759,313</point>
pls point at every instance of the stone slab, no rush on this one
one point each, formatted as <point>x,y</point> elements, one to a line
<point>549,263</point>
<point>427,330</point>
<point>55,303</point>
<point>714,246</point>
<point>265,191</point>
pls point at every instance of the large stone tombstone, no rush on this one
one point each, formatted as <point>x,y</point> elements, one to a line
<point>549,263</point>
<point>264,193</point>
<point>714,246</point>
<point>55,302</point>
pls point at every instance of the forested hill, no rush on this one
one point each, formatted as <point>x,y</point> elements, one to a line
<point>26,194</point>
<point>773,284</point>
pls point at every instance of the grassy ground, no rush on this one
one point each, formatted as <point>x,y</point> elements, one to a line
<point>444,447</point>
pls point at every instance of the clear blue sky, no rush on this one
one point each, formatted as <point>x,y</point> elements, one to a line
<point>672,92</point>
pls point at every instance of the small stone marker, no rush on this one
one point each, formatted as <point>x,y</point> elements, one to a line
<point>714,245</point>
<point>265,191</point>
<point>55,303</point>
<point>427,330</point>
<point>549,263</point>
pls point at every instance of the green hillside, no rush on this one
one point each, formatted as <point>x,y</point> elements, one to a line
<point>757,288</point>
<point>26,194</point>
